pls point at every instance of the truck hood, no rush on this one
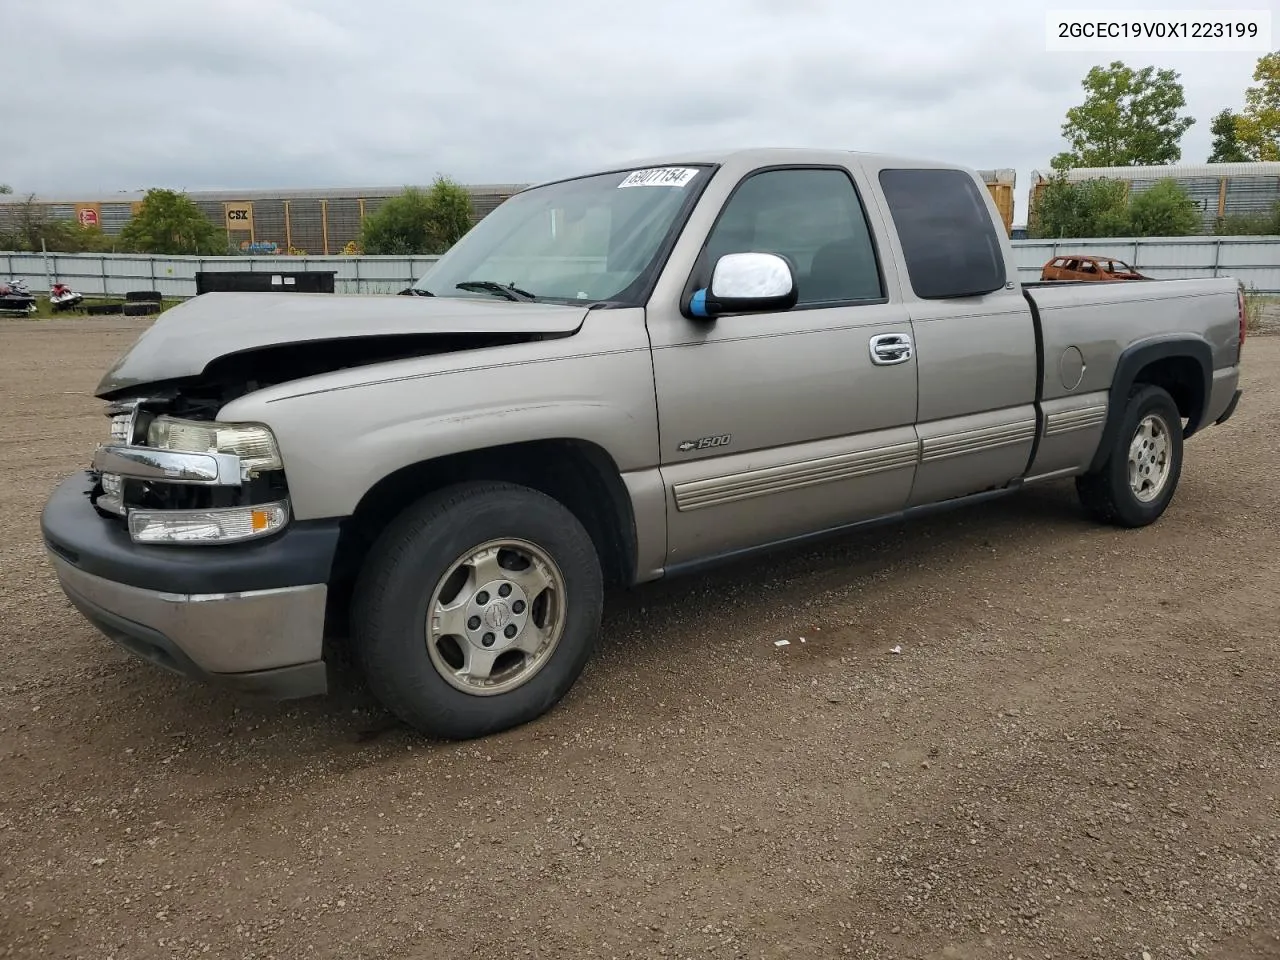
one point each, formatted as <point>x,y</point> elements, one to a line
<point>185,339</point>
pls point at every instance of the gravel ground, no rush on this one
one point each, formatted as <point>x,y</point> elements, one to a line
<point>1269,315</point>
<point>1074,755</point>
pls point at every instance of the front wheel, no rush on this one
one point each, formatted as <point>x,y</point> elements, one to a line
<point>1138,479</point>
<point>477,609</point>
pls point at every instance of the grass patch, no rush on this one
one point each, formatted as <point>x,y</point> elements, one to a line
<point>45,311</point>
<point>1254,305</point>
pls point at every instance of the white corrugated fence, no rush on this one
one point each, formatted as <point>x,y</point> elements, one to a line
<point>1255,261</point>
<point>115,274</point>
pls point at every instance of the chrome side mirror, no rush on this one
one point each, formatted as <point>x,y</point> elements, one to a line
<point>746,283</point>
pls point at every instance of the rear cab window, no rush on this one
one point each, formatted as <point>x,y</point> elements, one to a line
<point>948,237</point>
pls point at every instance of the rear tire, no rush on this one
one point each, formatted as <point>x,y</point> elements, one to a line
<point>505,644</point>
<point>1136,482</point>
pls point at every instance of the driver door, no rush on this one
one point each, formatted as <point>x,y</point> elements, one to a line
<point>777,425</point>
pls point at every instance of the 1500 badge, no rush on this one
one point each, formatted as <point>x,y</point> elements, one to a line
<point>705,443</point>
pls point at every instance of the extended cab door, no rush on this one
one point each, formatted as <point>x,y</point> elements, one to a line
<point>776,425</point>
<point>976,349</point>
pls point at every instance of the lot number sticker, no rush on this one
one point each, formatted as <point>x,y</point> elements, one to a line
<point>659,177</point>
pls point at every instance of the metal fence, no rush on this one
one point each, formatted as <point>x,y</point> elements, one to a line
<point>114,275</point>
<point>1255,261</point>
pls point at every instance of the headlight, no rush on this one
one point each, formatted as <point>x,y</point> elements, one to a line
<point>222,525</point>
<point>252,443</point>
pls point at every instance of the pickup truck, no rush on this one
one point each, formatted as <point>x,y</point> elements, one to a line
<point>610,379</point>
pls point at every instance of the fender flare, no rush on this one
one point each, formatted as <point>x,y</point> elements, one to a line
<point>1132,360</point>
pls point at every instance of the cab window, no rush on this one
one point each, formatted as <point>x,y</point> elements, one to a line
<point>814,218</point>
<point>947,233</point>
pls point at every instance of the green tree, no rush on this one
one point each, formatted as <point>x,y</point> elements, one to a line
<point>1128,118</point>
<point>1226,139</point>
<point>1250,224</point>
<point>1164,210</point>
<point>1089,208</point>
<point>67,236</point>
<point>418,221</point>
<point>170,222</point>
<point>1104,208</point>
<point>1259,125</point>
<point>5,188</point>
<point>29,224</point>
<point>32,229</point>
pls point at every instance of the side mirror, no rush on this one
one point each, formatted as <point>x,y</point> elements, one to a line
<point>747,283</point>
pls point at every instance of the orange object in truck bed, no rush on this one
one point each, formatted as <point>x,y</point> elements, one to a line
<point>1089,268</point>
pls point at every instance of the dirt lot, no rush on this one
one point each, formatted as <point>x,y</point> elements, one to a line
<point>1074,755</point>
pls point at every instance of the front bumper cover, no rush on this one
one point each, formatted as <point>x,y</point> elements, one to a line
<point>252,614</point>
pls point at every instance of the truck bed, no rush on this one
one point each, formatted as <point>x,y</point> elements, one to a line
<point>1101,320</point>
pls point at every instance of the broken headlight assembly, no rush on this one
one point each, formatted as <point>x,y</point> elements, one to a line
<point>253,443</point>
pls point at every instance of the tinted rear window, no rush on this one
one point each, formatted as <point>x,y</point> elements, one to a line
<point>948,236</point>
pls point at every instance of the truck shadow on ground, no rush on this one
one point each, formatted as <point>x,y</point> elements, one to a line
<point>349,729</point>
<point>843,559</point>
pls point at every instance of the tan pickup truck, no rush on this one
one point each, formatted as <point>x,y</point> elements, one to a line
<point>612,378</point>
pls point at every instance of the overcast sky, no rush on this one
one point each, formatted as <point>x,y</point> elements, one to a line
<point>206,94</point>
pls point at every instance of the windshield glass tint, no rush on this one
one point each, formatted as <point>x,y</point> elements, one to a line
<point>593,238</point>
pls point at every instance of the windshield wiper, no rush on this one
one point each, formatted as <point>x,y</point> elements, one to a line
<point>510,291</point>
<point>416,292</point>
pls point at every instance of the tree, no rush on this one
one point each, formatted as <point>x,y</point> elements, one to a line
<point>1226,140</point>
<point>1250,224</point>
<point>417,221</point>
<point>1259,125</point>
<point>1090,208</point>
<point>1164,210</point>
<point>1104,208</point>
<point>5,188</point>
<point>31,224</point>
<point>68,236</point>
<point>33,230</point>
<point>170,222</point>
<point>1128,118</point>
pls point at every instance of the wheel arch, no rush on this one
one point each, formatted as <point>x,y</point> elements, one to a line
<point>578,473</point>
<point>1182,365</point>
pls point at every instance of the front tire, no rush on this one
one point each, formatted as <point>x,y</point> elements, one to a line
<point>477,609</point>
<point>1137,481</point>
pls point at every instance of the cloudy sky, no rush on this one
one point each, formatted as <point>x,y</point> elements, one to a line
<point>205,94</point>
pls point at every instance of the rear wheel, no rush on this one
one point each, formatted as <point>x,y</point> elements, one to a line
<point>477,609</point>
<point>1137,481</point>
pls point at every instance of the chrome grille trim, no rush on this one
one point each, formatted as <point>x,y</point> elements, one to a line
<point>166,466</point>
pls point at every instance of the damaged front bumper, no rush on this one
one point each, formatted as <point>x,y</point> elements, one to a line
<point>251,615</point>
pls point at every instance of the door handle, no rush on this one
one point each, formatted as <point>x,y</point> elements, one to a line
<point>890,348</point>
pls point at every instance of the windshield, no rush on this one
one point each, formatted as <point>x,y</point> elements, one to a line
<point>594,238</point>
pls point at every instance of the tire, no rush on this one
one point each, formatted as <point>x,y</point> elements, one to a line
<point>142,296</point>
<point>405,656</point>
<point>1108,493</point>
<point>140,308</point>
